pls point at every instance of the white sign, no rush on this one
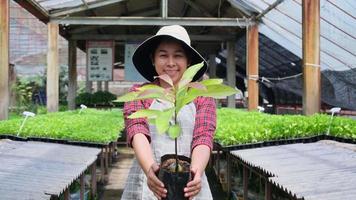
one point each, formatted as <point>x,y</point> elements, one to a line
<point>131,74</point>
<point>100,60</point>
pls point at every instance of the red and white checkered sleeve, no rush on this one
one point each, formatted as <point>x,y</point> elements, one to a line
<point>205,122</point>
<point>134,126</point>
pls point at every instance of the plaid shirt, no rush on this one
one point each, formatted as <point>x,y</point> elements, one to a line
<point>205,120</point>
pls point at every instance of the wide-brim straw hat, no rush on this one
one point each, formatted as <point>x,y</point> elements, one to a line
<point>142,55</point>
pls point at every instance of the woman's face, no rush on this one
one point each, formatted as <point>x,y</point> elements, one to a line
<point>170,58</point>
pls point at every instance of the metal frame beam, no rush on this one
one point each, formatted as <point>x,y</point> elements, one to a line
<point>34,8</point>
<point>83,8</point>
<point>218,38</point>
<point>164,8</point>
<point>275,4</point>
<point>152,21</point>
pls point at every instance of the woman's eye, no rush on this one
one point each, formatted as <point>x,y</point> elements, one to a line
<point>162,55</point>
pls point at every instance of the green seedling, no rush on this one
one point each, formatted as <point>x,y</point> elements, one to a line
<point>178,96</point>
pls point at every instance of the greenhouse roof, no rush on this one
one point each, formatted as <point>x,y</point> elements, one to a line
<point>283,24</point>
<point>210,23</point>
<point>37,170</point>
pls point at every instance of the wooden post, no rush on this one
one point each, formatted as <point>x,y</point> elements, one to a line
<point>99,86</point>
<point>231,72</point>
<point>52,68</point>
<point>4,59</point>
<point>228,173</point>
<point>212,66</point>
<point>93,180</point>
<point>72,73</point>
<point>311,56</point>
<point>88,84</point>
<point>245,182</point>
<point>102,167</point>
<point>268,190</point>
<point>106,160</point>
<point>252,66</point>
<point>82,186</point>
<point>106,86</point>
<point>66,194</point>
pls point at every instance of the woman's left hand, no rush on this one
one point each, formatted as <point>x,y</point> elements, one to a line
<point>194,186</point>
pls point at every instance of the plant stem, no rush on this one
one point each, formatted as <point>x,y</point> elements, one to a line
<point>175,139</point>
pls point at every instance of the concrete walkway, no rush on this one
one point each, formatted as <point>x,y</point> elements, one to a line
<point>118,174</point>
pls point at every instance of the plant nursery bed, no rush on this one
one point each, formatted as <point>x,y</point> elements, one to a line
<point>218,146</point>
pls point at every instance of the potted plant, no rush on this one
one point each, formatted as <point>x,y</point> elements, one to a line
<point>175,169</point>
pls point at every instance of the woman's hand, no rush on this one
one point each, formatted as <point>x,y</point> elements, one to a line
<point>155,185</point>
<point>194,186</point>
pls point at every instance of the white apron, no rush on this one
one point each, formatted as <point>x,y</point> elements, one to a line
<point>136,185</point>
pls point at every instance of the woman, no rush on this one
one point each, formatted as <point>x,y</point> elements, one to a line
<point>168,52</point>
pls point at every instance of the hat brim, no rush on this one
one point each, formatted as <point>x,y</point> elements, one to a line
<point>143,63</point>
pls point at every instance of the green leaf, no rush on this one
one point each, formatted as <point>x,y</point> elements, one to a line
<point>131,96</point>
<point>144,113</point>
<point>183,83</point>
<point>146,94</point>
<point>189,74</point>
<point>166,79</point>
<point>179,98</point>
<point>214,81</point>
<point>197,85</point>
<point>151,93</point>
<point>150,86</point>
<point>214,91</point>
<point>211,91</point>
<point>162,120</point>
<point>174,131</point>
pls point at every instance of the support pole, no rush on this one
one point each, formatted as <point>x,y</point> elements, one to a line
<point>268,190</point>
<point>4,59</point>
<point>99,86</point>
<point>82,187</point>
<point>245,183</point>
<point>106,86</point>
<point>228,173</point>
<point>311,56</point>
<point>164,8</point>
<point>72,76</point>
<point>252,66</point>
<point>52,68</point>
<point>106,159</point>
<point>212,66</point>
<point>88,84</point>
<point>102,166</point>
<point>93,180</point>
<point>231,72</point>
<point>66,194</point>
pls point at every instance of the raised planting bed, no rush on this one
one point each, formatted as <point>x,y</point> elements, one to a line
<point>90,127</point>
<point>236,127</point>
<point>237,130</point>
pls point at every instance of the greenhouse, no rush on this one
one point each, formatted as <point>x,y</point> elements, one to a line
<point>282,72</point>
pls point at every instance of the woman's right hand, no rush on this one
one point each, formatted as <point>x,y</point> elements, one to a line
<point>155,185</point>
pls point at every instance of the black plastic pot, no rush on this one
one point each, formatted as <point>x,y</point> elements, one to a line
<point>174,182</point>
